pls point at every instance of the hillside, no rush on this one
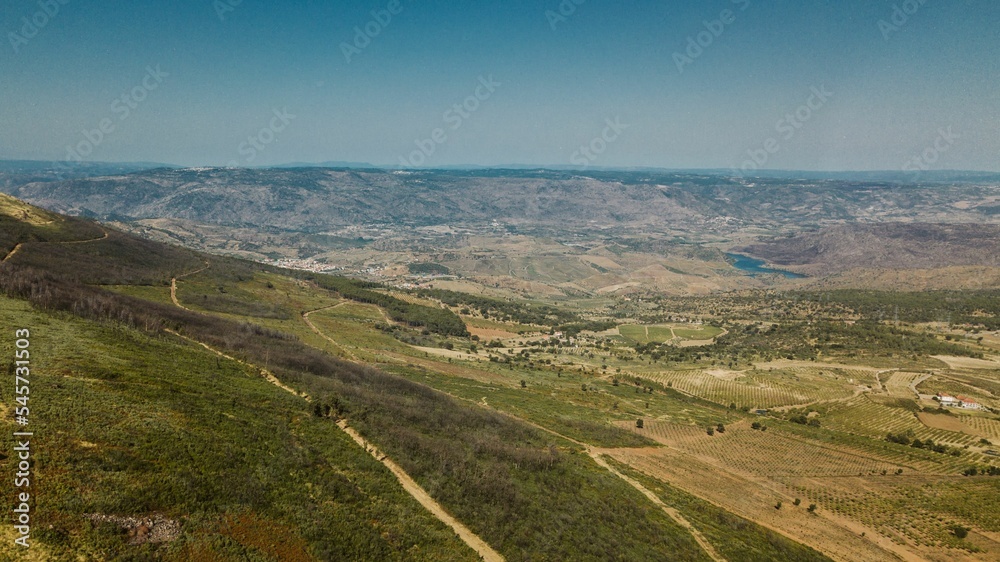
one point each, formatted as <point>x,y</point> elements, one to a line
<point>173,434</point>
<point>884,246</point>
<point>197,407</point>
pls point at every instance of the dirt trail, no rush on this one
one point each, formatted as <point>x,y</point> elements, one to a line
<point>468,537</point>
<point>671,512</point>
<point>173,287</point>
<point>884,547</point>
<point>14,251</point>
<point>305,318</point>
<point>18,247</point>
<point>479,545</point>
<point>263,372</point>
<point>89,240</point>
<point>916,383</point>
<point>596,455</point>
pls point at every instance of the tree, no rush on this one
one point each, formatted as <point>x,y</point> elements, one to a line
<point>797,502</point>
<point>721,428</point>
<point>639,423</point>
<point>524,383</point>
<point>777,505</point>
<point>812,508</point>
<point>960,531</point>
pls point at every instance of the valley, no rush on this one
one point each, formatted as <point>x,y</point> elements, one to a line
<point>772,422</point>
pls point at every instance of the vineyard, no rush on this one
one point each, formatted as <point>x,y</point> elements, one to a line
<point>919,510</point>
<point>759,389</point>
<point>766,453</point>
<point>898,383</point>
<point>990,427</point>
<point>901,493</point>
<point>754,499</point>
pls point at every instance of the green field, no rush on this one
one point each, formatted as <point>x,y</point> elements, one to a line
<point>666,333</point>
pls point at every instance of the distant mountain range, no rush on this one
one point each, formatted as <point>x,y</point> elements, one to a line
<point>91,169</point>
<point>315,199</point>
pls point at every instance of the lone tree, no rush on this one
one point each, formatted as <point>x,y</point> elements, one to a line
<point>638,423</point>
<point>524,383</point>
<point>812,508</point>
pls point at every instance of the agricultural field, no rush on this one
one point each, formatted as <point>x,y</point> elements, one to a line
<point>668,333</point>
<point>547,429</point>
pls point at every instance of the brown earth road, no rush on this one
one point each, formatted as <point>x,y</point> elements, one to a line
<point>173,286</point>
<point>673,513</point>
<point>14,251</point>
<point>596,455</point>
<point>484,550</point>
<point>886,548</point>
<point>18,247</point>
<point>98,239</point>
<point>409,484</point>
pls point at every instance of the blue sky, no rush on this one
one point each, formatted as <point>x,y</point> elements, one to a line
<point>222,82</point>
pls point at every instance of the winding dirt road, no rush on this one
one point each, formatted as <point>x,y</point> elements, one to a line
<point>305,318</point>
<point>474,542</point>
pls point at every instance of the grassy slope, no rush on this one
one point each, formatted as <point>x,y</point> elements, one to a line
<point>178,431</point>
<point>127,424</point>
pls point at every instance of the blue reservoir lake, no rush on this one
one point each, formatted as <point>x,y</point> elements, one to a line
<point>756,267</point>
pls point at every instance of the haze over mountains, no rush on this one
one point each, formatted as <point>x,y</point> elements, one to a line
<point>315,199</point>
<point>551,232</point>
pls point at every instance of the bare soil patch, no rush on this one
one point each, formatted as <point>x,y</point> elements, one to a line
<point>948,423</point>
<point>490,334</point>
<point>967,362</point>
<point>141,530</point>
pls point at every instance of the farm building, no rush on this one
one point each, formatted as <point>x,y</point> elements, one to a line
<point>948,401</point>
